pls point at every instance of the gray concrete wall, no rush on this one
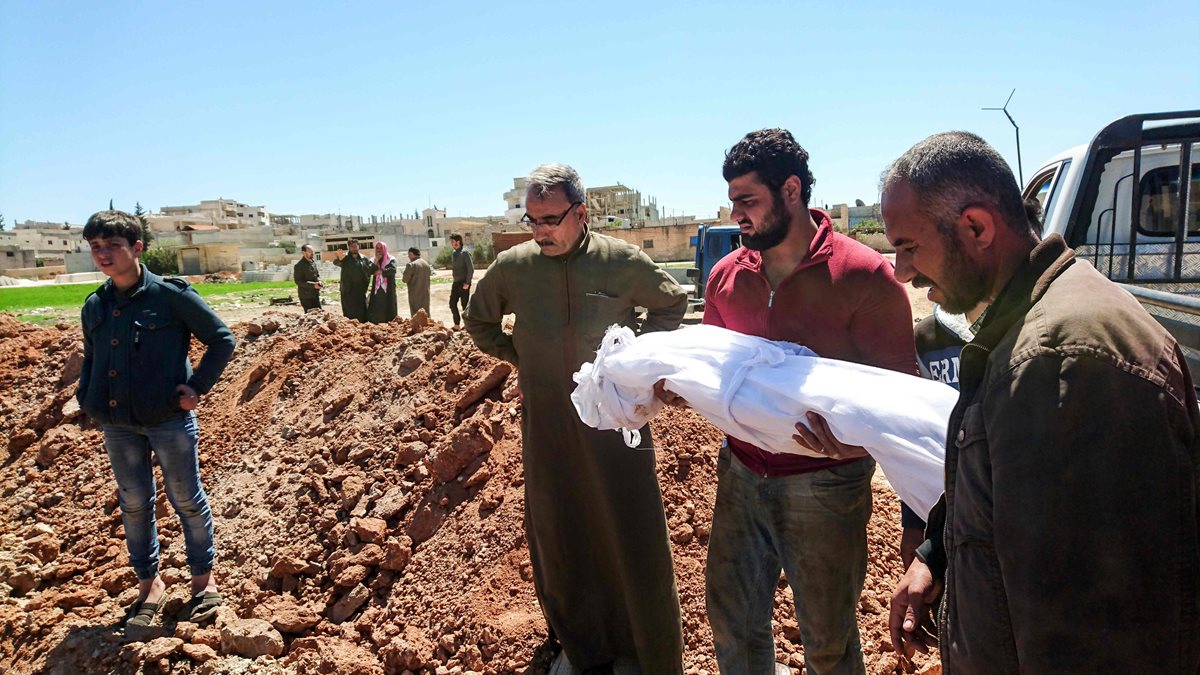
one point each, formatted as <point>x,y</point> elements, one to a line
<point>77,263</point>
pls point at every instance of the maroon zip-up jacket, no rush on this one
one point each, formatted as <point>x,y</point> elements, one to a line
<point>842,301</point>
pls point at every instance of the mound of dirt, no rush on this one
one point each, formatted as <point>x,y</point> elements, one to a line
<point>367,493</point>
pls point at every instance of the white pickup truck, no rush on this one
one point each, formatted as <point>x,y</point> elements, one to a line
<point>1120,203</point>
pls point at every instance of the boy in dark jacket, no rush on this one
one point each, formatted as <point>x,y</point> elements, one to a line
<point>138,384</point>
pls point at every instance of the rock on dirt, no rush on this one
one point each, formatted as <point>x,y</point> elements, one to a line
<point>368,501</point>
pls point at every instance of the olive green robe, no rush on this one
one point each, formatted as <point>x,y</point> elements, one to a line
<point>593,510</point>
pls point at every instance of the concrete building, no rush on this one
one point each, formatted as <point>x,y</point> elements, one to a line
<point>514,200</point>
<point>163,223</point>
<point>329,222</point>
<point>227,214</point>
<point>46,240</point>
<point>45,225</point>
<point>285,224</point>
<point>79,262</point>
<point>609,204</point>
<point>14,257</point>
<point>620,205</point>
<point>846,218</point>
<point>209,258</point>
<point>664,243</point>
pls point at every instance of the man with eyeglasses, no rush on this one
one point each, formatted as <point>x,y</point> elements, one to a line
<point>593,510</point>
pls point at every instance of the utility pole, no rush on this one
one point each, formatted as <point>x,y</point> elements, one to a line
<point>1004,109</point>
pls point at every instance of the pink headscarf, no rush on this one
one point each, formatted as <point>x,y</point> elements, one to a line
<point>381,281</point>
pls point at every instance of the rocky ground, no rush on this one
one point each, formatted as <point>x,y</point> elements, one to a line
<point>367,492</point>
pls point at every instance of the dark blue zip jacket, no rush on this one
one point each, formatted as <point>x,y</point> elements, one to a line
<point>135,350</point>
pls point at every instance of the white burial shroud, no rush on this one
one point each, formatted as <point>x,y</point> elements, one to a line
<point>756,390</point>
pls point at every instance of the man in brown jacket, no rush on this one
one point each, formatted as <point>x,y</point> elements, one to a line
<point>593,511</point>
<point>1068,540</point>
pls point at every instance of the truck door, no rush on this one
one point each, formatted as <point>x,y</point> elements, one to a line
<point>1045,187</point>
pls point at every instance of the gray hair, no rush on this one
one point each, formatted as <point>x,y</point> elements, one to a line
<point>952,170</point>
<point>549,178</point>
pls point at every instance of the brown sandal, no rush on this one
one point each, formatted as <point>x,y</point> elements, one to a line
<point>141,614</point>
<point>202,608</point>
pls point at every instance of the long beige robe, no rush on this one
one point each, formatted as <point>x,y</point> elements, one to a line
<point>416,278</point>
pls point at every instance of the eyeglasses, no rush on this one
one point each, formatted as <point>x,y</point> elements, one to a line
<point>548,221</point>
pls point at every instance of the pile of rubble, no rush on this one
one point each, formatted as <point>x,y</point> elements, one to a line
<point>367,490</point>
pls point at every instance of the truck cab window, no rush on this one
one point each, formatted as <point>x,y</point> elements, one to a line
<point>1160,212</point>
<point>1039,187</point>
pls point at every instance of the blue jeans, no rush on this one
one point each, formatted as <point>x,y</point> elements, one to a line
<point>813,527</point>
<point>174,444</point>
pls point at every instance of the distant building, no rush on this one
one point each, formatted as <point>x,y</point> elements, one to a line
<point>285,224</point>
<point>46,240</point>
<point>514,199</point>
<point>607,205</point>
<point>329,222</point>
<point>208,258</point>
<point>14,257</point>
<point>184,222</point>
<point>620,205</point>
<point>226,214</point>
<point>847,218</point>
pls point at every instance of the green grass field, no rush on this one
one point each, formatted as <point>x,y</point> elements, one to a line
<point>18,298</point>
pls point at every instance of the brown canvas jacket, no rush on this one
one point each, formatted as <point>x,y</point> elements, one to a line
<point>1070,524</point>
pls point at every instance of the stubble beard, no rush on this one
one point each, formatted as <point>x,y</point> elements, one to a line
<point>967,284</point>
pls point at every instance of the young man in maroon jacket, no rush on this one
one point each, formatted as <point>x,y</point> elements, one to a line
<point>796,279</point>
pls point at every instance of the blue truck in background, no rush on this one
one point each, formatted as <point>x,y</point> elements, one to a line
<point>713,242</point>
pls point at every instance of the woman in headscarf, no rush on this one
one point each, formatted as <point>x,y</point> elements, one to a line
<point>381,303</point>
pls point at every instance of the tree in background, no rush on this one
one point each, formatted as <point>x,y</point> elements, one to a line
<point>443,257</point>
<point>161,260</point>
<point>3,225</point>
<point>140,214</point>
<point>483,253</point>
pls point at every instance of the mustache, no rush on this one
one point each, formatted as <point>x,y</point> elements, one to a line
<point>921,282</point>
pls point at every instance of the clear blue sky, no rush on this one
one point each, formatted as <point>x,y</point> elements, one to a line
<point>373,107</point>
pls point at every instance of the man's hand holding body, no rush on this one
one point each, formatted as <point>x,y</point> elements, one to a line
<point>818,438</point>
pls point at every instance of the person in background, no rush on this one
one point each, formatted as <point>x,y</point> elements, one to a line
<point>381,303</point>
<point>416,278</point>
<point>355,277</point>
<point>308,279</point>
<point>463,270</point>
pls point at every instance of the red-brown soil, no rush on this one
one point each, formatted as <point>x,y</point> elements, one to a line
<point>367,492</point>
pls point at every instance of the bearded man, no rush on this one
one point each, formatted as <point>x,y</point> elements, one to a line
<point>796,279</point>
